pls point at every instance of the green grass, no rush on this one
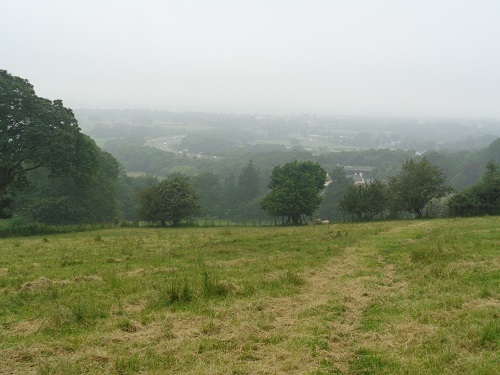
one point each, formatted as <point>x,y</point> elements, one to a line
<point>406,297</point>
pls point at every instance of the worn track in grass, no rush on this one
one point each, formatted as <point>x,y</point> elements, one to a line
<point>296,334</point>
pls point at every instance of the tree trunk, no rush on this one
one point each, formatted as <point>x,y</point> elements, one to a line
<point>2,192</point>
<point>5,180</point>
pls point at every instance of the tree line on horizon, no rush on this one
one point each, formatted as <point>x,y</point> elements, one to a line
<point>52,173</point>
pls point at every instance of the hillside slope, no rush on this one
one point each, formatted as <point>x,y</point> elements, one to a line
<point>389,297</point>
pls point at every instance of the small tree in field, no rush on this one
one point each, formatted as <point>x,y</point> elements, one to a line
<point>295,190</point>
<point>170,201</point>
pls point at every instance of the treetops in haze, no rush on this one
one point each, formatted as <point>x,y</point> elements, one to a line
<point>71,180</point>
<point>297,189</point>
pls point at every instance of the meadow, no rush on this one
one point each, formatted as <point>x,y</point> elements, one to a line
<point>405,297</point>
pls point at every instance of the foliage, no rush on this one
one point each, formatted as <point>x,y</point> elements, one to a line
<point>492,152</point>
<point>415,185</point>
<point>238,198</point>
<point>211,192</point>
<point>230,195</point>
<point>171,200</point>
<point>330,207</point>
<point>296,188</point>
<point>61,201</point>
<point>248,187</point>
<point>249,192</point>
<point>365,201</point>
<point>36,132</point>
<point>483,198</point>
<point>127,189</point>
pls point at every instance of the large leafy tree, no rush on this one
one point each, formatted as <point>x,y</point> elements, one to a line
<point>61,201</point>
<point>36,132</point>
<point>295,190</point>
<point>170,201</point>
<point>418,182</point>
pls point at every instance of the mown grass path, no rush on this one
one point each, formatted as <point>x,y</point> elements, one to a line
<point>319,328</point>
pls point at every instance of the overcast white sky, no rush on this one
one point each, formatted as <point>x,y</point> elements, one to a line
<point>390,57</point>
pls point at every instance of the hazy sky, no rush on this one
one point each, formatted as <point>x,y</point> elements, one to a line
<point>391,57</point>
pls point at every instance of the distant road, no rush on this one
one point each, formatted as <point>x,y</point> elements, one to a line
<point>166,144</point>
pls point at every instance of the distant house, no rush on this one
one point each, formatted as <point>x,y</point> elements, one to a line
<point>360,175</point>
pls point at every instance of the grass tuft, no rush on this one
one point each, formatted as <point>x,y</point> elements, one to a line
<point>212,287</point>
<point>293,278</point>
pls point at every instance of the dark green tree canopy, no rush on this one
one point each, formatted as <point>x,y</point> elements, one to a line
<point>61,201</point>
<point>482,198</point>
<point>365,201</point>
<point>36,132</point>
<point>415,185</point>
<point>170,201</point>
<point>127,189</point>
<point>295,190</point>
<point>248,186</point>
<point>210,190</point>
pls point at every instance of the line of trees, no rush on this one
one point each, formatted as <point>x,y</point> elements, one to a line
<point>462,168</point>
<point>417,183</point>
<point>296,191</point>
<point>52,173</point>
<point>413,189</point>
<point>237,197</point>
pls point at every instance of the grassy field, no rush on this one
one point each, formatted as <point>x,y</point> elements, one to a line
<point>406,297</point>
